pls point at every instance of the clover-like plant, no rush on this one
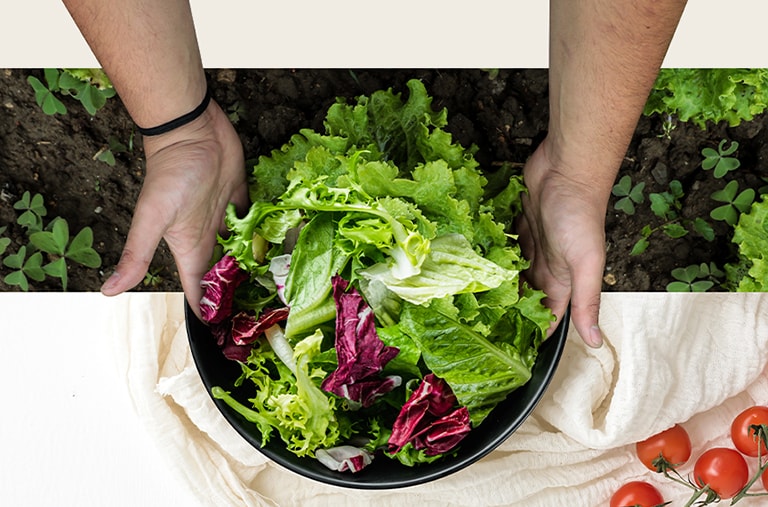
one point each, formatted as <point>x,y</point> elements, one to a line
<point>45,93</point>
<point>24,268</point>
<point>56,242</point>
<point>735,202</point>
<point>628,194</point>
<point>720,159</point>
<point>667,206</point>
<point>33,210</point>
<point>48,248</point>
<point>695,278</point>
<point>91,87</point>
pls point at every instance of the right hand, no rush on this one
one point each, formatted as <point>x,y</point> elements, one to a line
<point>193,173</point>
<point>562,233</point>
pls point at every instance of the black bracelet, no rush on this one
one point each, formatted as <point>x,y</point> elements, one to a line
<point>181,120</point>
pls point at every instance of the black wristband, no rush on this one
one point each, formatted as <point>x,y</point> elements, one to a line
<point>180,121</point>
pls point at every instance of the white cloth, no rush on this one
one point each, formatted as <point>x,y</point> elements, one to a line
<point>694,359</point>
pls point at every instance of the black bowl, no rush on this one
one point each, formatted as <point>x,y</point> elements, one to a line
<point>382,473</point>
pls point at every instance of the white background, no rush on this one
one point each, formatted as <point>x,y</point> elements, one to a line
<point>397,33</point>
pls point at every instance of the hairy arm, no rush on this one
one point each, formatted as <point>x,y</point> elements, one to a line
<point>604,58</point>
<point>149,50</point>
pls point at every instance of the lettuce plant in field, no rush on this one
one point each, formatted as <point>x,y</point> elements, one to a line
<point>750,273</point>
<point>715,95</point>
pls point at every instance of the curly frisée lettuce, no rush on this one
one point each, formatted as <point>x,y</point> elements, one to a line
<point>394,272</point>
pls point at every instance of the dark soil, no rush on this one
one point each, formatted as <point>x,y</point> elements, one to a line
<point>504,115</point>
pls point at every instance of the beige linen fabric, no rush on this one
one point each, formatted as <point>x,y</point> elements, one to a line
<point>696,359</point>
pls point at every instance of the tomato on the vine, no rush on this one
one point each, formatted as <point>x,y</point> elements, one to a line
<point>742,435</point>
<point>673,444</point>
<point>636,493</point>
<point>724,470</point>
<point>765,479</point>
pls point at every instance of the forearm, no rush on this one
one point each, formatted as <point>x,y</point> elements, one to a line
<point>604,58</point>
<point>149,50</point>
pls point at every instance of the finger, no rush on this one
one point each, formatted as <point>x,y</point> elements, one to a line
<point>190,275</point>
<point>143,237</point>
<point>585,299</point>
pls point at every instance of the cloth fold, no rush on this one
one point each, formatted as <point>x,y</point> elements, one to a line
<point>694,359</point>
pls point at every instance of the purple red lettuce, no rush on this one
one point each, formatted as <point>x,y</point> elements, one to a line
<point>344,458</point>
<point>429,419</point>
<point>360,353</point>
<point>219,285</point>
<point>246,327</point>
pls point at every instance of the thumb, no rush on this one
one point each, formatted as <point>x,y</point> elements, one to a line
<point>143,238</point>
<point>585,301</point>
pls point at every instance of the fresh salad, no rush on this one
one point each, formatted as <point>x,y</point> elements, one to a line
<point>371,293</point>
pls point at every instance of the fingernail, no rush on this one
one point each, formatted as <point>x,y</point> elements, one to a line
<point>595,339</point>
<point>110,283</point>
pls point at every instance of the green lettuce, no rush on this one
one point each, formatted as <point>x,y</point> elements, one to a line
<point>290,402</point>
<point>385,199</point>
<point>750,273</point>
<point>702,95</point>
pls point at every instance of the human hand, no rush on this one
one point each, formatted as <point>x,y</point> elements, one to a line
<point>192,174</point>
<point>562,232</point>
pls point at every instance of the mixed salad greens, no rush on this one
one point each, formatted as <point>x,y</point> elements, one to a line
<point>371,293</point>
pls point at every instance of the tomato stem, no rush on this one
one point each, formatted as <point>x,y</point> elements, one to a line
<point>711,496</point>
<point>761,435</point>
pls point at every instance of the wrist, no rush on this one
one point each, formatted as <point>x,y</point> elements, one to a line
<point>178,121</point>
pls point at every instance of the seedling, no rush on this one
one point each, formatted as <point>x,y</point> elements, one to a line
<point>4,242</point>
<point>24,267</point>
<point>57,243</point>
<point>667,126</point>
<point>735,202</point>
<point>628,194</point>
<point>90,87</point>
<point>51,243</point>
<point>235,111</point>
<point>33,211</point>
<point>44,93</point>
<point>107,153</point>
<point>695,278</point>
<point>720,160</point>
<point>153,278</point>
<point>667,205</point>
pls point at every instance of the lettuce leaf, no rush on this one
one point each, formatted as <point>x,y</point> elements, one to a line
<point>750,274</point>
<point>481,370</point>
<point>387,200</point>
<point>304,417</point>
<point>702,95</point>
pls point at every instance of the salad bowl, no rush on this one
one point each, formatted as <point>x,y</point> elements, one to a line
<point>216,370</point>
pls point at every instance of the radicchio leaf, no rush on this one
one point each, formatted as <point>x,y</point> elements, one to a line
<point>360,353</point>
<point>429,420</point>
<point>219,285</point>
<point>246,328</point>
<point>344,458</point>
<point>222,332</point>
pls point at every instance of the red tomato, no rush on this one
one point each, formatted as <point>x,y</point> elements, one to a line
<point>742,435</point>
<point>724,470</point>
<point>636,493</point>
<point>674,444</point>
<point>765,479</point>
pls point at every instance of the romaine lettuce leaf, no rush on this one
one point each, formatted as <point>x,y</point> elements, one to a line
<point>451,267</point>
<point>481,370</point>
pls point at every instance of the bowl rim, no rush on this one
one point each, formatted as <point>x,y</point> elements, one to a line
<point>523,400</point>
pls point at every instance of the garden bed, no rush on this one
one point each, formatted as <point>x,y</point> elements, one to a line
<point>504,114</point>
